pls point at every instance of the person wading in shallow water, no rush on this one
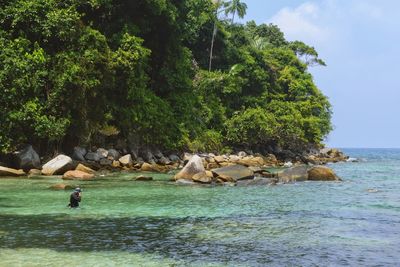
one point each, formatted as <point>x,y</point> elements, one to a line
<point>75,198</point>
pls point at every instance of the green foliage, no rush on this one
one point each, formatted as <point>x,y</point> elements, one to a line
<point>253,127</point>
<point>76,69</point>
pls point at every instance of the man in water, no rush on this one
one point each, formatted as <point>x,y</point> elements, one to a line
<point>75,198</point>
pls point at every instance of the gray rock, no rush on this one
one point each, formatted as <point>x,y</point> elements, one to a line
<point>233,173</point>
<point>242,154</point>
<point>147,155</point>
<point>174,158</point>
<point>194,166</point>
<point>58,165</point>
<point>114,154</point>
<point>79,153</point>
<point>93,156</point>
<point>105,162</point>
<point>294,174</point>
<point>27,158</point>
<point>163,161</point>
<point>158,154</point>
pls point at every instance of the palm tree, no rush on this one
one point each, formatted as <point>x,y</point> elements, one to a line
<point>217,4</point>
<point>259,43</point>
<point>235,6</point>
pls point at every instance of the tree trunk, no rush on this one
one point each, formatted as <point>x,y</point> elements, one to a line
<point>212,44</point>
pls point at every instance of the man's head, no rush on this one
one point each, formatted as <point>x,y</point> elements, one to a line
<point>77,190</point>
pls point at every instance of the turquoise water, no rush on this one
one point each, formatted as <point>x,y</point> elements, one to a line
<point>122,222</point>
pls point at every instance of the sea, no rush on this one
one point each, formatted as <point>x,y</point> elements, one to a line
<point>122,222</point>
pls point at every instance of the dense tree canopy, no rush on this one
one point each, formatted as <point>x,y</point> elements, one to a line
<point>87,72</point>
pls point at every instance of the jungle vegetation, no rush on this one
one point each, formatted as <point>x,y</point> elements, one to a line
<point>175,74</point>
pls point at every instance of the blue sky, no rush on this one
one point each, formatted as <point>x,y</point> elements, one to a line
<point>359,40</point>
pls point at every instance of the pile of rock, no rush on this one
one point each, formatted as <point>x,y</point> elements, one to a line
<point>102,158</point>
<point>238,174</point>
<point>27,161</point>
<point>327,155</point>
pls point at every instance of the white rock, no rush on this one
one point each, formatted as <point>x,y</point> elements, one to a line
<point>58,165</point>
<point>288,164</point>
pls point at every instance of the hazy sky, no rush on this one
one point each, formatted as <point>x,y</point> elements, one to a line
<point>359,40</point>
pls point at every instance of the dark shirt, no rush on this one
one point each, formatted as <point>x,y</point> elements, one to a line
<point>74,200</point>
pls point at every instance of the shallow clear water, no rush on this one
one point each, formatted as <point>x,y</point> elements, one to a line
<point>127,223</point>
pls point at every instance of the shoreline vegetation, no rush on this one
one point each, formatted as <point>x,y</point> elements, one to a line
<point>142,76</point>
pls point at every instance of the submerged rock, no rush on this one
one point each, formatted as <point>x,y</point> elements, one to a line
<point>233,173</point>
<point>58,165</point>
<point>257,181</point>
<point>143,178</point>
<point>194,166</point>
<point>62,187</point>
<point>79,175</point>
<point>202,177</point>
<point>185,182</point>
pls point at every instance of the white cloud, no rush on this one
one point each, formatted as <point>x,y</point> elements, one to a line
<point>301,23</point>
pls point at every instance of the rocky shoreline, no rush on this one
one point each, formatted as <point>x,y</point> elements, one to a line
<point>241,168</point>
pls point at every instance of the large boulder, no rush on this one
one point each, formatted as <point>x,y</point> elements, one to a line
<point>126,160</point>
<point>4,171</point>
<point>147,155</point>
<point>163,161</point>
<point>294,174</point>
<point>58,165</point>
<point>79,153</point>
<point>93,156</point>
<point>322,173</point>
<point>202,177</point>
<point>84,168</point>
<point>233,173</point>
<point>113,154</point>
<point>251,161</point>
<point>27,158</point>
<point>147,167</point>
<point>77,175</point>
<point>194,166</point>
